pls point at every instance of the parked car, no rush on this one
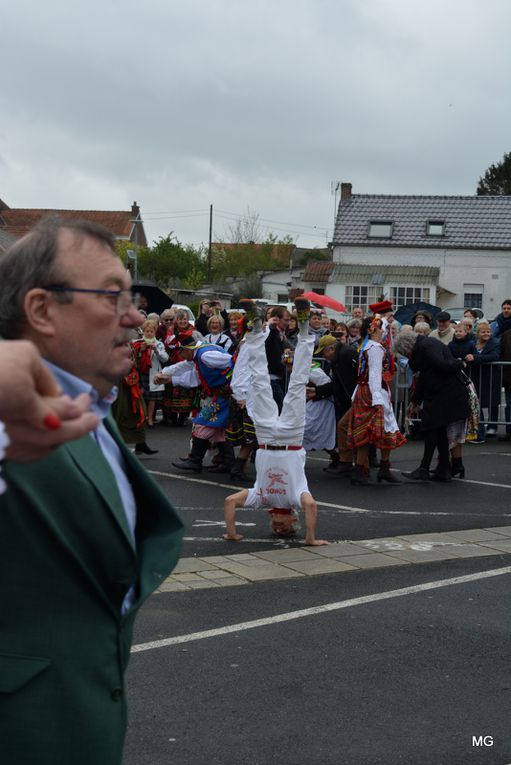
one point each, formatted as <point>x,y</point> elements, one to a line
<point>457,313</point>
<point>186,308</point>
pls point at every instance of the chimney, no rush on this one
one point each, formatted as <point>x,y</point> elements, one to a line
<point>345,190</point>
<point>135,211</point>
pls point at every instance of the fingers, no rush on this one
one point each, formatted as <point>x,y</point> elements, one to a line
<point>29,443</point>
<point>44,382</point>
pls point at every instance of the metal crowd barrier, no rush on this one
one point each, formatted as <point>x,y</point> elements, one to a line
<point>487,378</point>
<point>489,384</point>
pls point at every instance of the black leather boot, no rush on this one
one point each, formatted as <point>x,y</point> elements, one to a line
<point>384,473</point>
<point>226,454</point>
<point>457,467</point>
<point>237,471</point>
<point>194,460</point>
<point>360,475</point>
<point>419,474</point>
<point>339,468</point>
<point>143,448</point>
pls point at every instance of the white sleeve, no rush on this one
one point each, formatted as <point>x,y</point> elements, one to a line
<point>183,373</point>
<point>375,360</point>
<point>318,376</point>
<point>161,352</point>
<point>216,359</point>
<point>240,381</point>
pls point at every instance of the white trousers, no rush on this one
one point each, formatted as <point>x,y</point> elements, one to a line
<point>272,428</point>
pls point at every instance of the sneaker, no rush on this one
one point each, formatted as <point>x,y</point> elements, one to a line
<point>491,432</point>
<point>249,307</point>
<point>303,308</point>
<point>477,441</point>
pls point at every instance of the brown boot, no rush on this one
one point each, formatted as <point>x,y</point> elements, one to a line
<point>360,476</point>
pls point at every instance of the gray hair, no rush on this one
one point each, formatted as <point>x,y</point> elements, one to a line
<point>31,262</point>
<point>181,314</point>
<point>212,318</point>
<point>422,328</point>
<point>405,343</point>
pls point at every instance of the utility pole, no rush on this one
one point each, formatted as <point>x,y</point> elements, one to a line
<point>133,254</point>
<point>210,241</point>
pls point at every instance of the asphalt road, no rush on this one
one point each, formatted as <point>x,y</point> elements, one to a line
<point>416,678</point>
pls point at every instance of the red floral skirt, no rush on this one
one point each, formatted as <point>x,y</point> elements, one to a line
<point>366,423</point>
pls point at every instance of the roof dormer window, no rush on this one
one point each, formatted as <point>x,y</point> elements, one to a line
<point>435,228</point>
<point>380,229</point>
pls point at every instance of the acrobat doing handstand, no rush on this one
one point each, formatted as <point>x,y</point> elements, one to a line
<point>280,460</point>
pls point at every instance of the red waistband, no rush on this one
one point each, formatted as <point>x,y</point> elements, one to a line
<point>284,448</point>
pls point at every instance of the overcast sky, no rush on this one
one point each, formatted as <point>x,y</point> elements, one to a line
<point>248,105</point>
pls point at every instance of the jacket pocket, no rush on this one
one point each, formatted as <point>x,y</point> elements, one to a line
<point>17,671</point>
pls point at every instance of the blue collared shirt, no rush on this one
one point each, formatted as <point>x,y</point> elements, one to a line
<point>73,386</point>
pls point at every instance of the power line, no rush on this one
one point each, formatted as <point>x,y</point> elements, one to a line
<point>269,220</point>
<point>284,230</point>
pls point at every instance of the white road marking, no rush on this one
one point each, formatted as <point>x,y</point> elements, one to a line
<point>199,523</point>
<point>237,488</point>
<point>315,610</point>
<point>324,504</point>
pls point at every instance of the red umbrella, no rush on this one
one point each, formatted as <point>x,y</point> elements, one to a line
<point>325,301</point>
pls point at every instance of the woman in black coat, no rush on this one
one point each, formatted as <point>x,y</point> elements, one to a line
<point>443,395</point>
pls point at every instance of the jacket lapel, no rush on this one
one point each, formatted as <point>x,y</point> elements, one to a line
<point>91,462</point>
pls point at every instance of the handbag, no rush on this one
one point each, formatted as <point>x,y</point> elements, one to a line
<point>473,407</point>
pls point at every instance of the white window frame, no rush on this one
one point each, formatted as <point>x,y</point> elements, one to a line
<point>361,296</point>
<point>435,228</point>
<point>412,294</point>
<point>380,229</point>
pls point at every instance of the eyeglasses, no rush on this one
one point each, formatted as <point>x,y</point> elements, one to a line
<point>122,299</point>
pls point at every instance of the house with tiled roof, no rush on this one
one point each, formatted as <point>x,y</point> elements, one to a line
<point>124,224</point>
<point>447,250</point>
<point>279,285</point>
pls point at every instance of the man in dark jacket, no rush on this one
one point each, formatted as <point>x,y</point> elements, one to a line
<point>275,345</point>
<point>343,361</point>
<point>503,321</point>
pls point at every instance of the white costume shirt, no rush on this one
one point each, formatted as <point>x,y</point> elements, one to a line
<point>380,396</point>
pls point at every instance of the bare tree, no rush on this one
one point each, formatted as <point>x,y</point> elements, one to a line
<point>245,230</point>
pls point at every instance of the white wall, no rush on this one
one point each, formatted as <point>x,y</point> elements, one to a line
<point>275,283</point>
<point>491,268</point>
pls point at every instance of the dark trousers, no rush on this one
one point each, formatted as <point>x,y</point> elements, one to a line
<point>277,388</point>
<point>435,439</point>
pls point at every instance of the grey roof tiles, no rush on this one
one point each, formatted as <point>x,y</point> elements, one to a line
<point>470,222</point>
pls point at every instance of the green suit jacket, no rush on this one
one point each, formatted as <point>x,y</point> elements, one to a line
<point>66,563</point>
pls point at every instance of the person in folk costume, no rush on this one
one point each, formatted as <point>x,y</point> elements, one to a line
<point>385,309</point>
<point>372,419</point>
<point>280,458</point>
<point>241,431</point>
<point>209,367</point>
<point>129,410</point>
<point>177,401</point>
<point>150,353</point>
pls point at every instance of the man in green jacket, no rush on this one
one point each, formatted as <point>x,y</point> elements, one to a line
<point>85,534</point>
